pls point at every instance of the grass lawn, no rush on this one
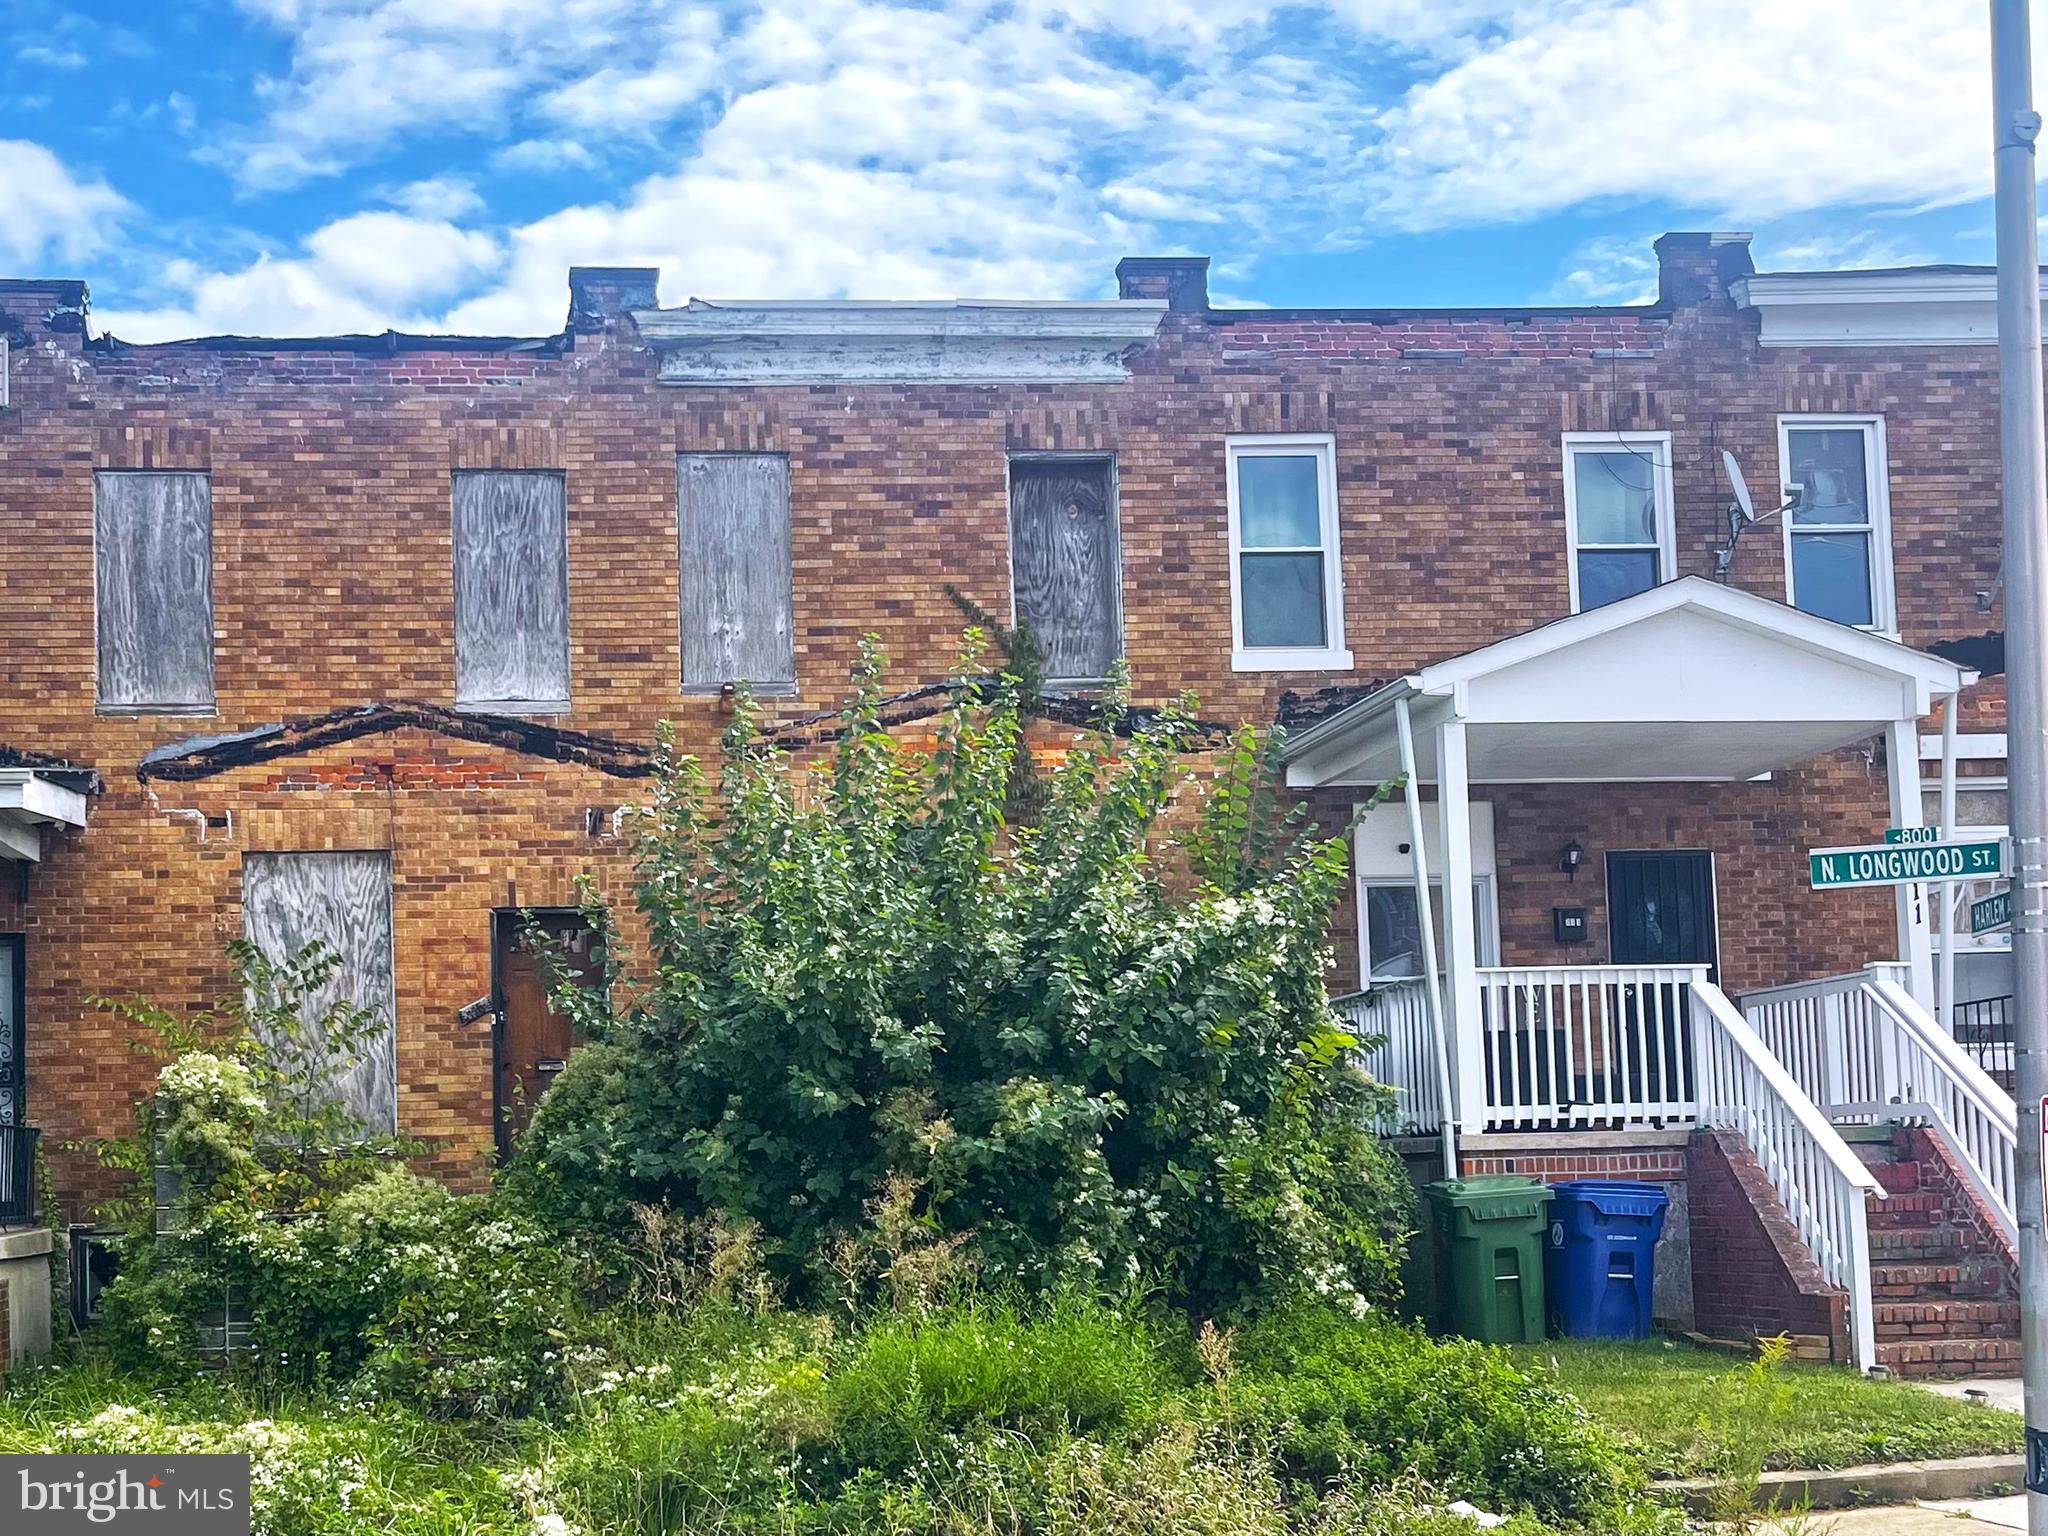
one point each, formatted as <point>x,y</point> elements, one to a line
<point>1662,1398</point>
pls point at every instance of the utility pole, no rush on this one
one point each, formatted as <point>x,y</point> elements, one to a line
<point>2015,126</point>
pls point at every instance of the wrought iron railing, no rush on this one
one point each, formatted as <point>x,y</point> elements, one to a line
<point>18,1175</point>
<point>1983,1027</point>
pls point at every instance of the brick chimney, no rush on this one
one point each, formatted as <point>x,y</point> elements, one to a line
<point>1696,266</point>
<point>599,297</point>
<point>43,306</point>
<point>1183,281</point>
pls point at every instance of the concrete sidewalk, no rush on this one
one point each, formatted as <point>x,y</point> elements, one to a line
<point>1997,1391</point>
<point>1936,1517</point>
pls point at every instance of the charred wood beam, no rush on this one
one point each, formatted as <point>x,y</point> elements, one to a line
<point>202,757</point>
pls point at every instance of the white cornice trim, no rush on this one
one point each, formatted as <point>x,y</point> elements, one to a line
<point>1931,307</point>
<point>956,341</point>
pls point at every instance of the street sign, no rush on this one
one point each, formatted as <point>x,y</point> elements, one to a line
<point>1912,834</point>
<point>1905,863</point>
<point>1994,911</point>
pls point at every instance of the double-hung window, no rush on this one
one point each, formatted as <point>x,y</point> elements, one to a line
<point>1286,589</point>
<point>1838,559</point>
<point>1617,515</point>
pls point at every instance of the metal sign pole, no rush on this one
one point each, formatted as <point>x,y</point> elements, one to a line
<point>2015,126</point>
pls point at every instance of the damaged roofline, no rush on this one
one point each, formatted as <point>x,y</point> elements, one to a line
<point>201,757</point>
<point>383,345</point>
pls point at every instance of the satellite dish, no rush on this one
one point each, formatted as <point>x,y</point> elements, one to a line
<point>1738,485</point>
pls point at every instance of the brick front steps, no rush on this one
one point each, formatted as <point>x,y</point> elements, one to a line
<point>1943,1282</point>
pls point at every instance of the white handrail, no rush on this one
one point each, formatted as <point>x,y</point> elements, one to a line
<point>1821,1183</point>
<point>1928,1070</point>
<point>1868,1052</point>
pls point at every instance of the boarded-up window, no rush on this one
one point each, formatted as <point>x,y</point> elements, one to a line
<point>153,584</point>
<point>511,591</point>
<point>732,536</point>
<point>1063,564</point>
<point>343,900</point>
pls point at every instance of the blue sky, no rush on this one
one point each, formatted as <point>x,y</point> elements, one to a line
<point>310,166</point>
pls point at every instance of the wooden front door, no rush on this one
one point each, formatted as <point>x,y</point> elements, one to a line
<point>534,1038</point>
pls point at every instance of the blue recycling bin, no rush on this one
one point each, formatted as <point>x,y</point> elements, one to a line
<point>1600,1260</point>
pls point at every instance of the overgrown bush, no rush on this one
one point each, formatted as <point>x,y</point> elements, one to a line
<point>1089,1048</point>
<point>281,1218</point>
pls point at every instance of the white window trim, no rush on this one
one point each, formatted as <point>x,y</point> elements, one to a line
<point>3,373</point>
<point>1486,941</point>
<point>1279,658</point>
<point>1877,480</point>
<point>1659,446</point>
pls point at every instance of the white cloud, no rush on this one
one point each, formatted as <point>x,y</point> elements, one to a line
<point>367,272</point>
<point>49,214</point>
<point>437,197</point>
<point>1754,106</point>
<point>366,72</point>
<point>1840,250</point>
<point>630,98</point>
<point>1614,269</point>
<point>544,156</point>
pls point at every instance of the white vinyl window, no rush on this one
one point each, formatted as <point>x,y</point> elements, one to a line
<point>1286,587</point>
<point>1838,545</point>
<point>1617,515</point>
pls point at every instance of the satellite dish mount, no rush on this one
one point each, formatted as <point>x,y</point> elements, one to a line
<point>1741,513</point>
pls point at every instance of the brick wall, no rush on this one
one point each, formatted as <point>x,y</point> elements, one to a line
<point>1751,1276</point>
<point>330,475</point>
<point>6,1331</point>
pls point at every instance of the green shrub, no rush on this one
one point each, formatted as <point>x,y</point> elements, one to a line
<point>1090,1049</point>
<point>1344,1400</point>
<point>902,1388</point>
<point>404,1292</point>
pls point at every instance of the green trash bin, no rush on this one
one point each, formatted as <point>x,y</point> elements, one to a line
<point>1491,1231</point>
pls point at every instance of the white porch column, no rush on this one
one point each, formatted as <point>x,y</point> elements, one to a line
<point>1461,938</point>
<point>1902,771</point>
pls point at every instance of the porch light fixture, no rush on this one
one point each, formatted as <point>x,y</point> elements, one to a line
<point>1569,860</point>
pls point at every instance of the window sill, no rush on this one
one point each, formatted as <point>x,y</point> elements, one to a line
<point>1290,659</point>
<point>133,711</point>
<point>781,690</point>
<point>512,706</point>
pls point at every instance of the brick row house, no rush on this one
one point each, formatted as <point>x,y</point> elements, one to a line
<point>366,639</point>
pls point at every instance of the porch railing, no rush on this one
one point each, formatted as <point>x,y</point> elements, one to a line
<point>1819,1180</point>
<point>18,1175</point>
<point>1984,1028</point>
<point>1862,1047</point>
<point>1396,1014</point>
<point>1608,1045</point>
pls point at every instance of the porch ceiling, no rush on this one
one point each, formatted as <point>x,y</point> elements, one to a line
<point>1690,682</point>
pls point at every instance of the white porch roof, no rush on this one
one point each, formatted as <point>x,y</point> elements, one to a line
<point>30,801</point>
<point>1689,682</point>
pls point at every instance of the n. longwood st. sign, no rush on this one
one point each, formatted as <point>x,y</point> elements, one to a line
<point>1902,863</point>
